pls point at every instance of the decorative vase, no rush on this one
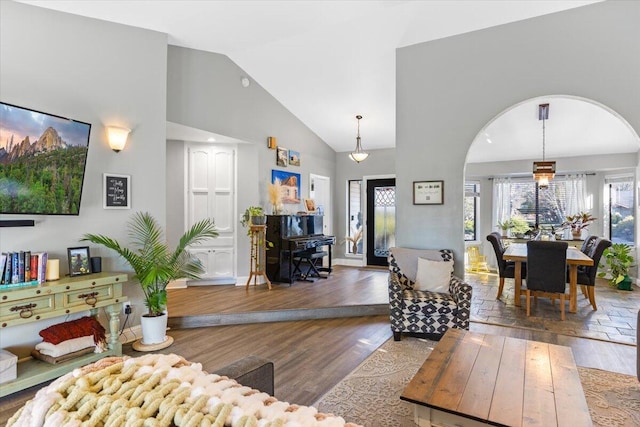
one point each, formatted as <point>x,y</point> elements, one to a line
<point>576,234</point>
<point>354,247</point>
<point>625,285</point>
<point>259,220</point>
<point>154,329</point>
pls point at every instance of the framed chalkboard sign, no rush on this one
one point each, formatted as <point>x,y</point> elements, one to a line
<point>116,190</point>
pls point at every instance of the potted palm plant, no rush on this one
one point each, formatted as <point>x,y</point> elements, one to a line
<point>619,261</point>
<point>155,265</point>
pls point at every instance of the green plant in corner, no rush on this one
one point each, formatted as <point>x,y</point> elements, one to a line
<point>154,264</point>
<point>619,261</point>
<point>505,225</point>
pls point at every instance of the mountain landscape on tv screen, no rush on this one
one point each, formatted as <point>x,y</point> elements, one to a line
<point>41,177</point>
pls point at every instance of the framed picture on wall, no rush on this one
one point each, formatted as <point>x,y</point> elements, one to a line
<point>290,183</point>
<point>294,158</point>
<point>282,157</point>
<point>428,192</point>
<point>116,191</point>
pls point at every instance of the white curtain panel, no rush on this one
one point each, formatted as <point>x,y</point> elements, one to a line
<point>501,200</point>
<point>576,194</point>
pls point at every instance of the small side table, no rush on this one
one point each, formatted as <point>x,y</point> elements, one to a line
<point>258,255</point>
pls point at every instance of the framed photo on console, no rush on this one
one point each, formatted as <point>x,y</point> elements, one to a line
<point>428,192</point>
<point>79,261</point>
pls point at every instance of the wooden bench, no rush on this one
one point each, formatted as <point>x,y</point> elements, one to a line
<point>472,379</point>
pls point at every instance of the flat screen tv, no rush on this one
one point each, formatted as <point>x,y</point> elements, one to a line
<point>42,162</point>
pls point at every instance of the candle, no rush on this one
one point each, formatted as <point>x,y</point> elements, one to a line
<point>53,269</point>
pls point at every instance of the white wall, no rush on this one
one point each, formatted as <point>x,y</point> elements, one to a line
<point>101,73</point>
<point>448,89</point>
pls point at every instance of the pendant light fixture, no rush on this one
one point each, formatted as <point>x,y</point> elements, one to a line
<point>358,155</point>
<point>543,171</point>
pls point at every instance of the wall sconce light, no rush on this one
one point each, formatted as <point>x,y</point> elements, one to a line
<point>117,137</point>
<point>272,142</point>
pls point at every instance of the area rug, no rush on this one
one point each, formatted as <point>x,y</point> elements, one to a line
<point>370,395</point>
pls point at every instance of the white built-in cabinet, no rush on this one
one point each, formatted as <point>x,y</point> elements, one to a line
<point>211,180</point>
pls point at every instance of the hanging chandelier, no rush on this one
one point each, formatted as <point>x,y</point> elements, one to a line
<point>543,171</point>
<point>358,155</point>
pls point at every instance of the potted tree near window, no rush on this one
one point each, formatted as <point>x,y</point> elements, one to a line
<point>155,265</point>
<point>619,261</point>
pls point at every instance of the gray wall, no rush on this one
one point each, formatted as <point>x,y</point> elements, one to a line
<point>204,92</point>
<point>448,89</point>
<point>379,162</point>
<point>96,72</point>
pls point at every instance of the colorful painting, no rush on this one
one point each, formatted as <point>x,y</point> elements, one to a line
<point>282,157</point>
<point>294,158</point>
<point>290,183</point>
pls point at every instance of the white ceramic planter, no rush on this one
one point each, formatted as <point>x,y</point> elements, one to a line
<point>154,329</point>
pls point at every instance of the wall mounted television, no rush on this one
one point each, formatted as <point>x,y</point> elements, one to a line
<point>42,162</point>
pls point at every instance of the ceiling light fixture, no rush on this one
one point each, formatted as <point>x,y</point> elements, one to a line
<point>543,171</point>
<point>358,155</point>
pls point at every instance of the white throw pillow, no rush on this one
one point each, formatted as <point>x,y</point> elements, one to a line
<point>433,276</point>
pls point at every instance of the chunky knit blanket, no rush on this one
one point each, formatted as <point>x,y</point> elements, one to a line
<point>160,390</point>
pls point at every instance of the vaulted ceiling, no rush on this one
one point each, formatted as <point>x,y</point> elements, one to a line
<point>327,61</point>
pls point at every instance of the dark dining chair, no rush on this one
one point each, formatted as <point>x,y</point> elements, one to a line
<point>546,272</point>
<point>506,269</point>
<point>594,249</point>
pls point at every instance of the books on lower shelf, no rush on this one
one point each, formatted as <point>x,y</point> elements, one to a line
<point>23,268</point>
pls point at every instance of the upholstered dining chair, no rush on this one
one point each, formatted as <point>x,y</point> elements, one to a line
<point>593,248</point>
<point>506,269</point>
<point>546,272</point>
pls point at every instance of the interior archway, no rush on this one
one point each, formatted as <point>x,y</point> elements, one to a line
<point>582,136</point>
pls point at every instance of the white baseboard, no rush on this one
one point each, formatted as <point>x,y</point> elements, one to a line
<point>350,262</point>
<point>177,284</point>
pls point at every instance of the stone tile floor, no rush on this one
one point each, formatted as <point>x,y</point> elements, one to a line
<point>615,319</point>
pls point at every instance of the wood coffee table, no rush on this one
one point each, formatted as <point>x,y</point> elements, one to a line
<point>472,379</point>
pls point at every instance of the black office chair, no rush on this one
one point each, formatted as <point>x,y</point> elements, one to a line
<point>506,269</point>
<point>593,247</point>
<point>546,272</point>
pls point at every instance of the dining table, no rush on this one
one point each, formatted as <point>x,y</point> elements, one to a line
<point>517,252</point>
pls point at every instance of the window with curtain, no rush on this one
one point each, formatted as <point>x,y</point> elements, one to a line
<point>548,207</point>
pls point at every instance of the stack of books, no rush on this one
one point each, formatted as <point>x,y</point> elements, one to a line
<point>24,268</point>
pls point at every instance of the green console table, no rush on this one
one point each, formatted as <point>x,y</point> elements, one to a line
<point>19,306</point>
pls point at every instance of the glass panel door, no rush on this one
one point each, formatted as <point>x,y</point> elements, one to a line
<point>381,219</point>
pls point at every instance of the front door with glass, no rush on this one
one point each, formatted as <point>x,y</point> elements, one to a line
<point>381,219</point>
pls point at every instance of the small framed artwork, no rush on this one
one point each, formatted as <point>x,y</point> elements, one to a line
<point>116,191</point>
<point>79,261</point>
<point>282,157</point>
<point>310,205</point>
<point>428,192</point>
<point>294,158</point>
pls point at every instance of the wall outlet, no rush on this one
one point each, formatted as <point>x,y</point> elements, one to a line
<point>127,308</point>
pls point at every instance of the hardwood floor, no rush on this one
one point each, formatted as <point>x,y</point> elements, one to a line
<point>311,356</point>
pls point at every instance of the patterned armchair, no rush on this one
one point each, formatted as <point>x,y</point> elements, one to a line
<point>424,312</point>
